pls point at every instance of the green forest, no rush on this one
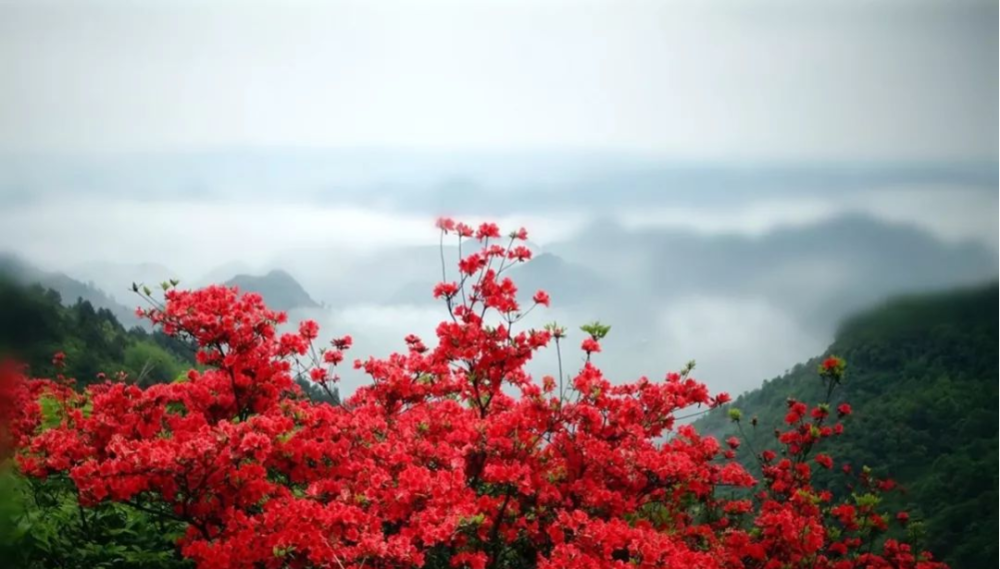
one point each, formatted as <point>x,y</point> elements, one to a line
<point>923,387</point>
<point>35,324</point>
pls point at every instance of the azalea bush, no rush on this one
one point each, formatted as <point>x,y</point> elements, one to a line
<point>452,456</point>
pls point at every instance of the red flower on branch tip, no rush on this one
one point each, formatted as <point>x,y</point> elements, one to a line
<point>445,224</point>
<point>446,290</point>
<point>541,297</point>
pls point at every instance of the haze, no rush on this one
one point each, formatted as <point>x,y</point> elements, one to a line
<point>693,173</point>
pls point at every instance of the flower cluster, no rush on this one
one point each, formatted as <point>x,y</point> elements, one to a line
<point>453,456</point>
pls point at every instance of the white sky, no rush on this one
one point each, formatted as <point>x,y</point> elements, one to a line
<point>824,79</point>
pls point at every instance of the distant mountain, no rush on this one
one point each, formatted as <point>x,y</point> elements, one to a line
<point>346,278</point>
<point>921,380</point>
<point>279,289</point>
<point>69,289</point>
<point>818,271</point>
<point>830,268</point>
<point>568,283</point>
<point>220,274</point>
<point>431,182</point>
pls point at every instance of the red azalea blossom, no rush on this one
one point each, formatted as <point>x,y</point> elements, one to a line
<point>721,399</point>
<point>825,461</point>
<point>472,264</point>
<point>453,455</point>
<point>309,330</point>
<point>446,290</point>
<point>520,253</point>
<point>445,224</point>
<point>541,297</point>
<point>832,367</point>
<point>487,231</point>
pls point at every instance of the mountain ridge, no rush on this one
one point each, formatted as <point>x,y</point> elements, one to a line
<point>69,288</point>
<point>280,289</point>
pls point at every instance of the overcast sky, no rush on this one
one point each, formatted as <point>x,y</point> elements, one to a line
<point>454,85</point>
<point>819,80</point>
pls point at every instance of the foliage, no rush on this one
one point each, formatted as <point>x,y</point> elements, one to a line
<point>923,387</point>
<point>452,456</point>
<point>34,325</point>
<point>44,526</point>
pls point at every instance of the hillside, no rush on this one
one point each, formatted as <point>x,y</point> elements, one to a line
<point>279,289</point>
<point>70,290</point>
<point>34,325</point>
<point>913,367</point>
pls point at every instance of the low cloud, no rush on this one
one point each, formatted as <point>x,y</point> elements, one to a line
<point>736,342</point>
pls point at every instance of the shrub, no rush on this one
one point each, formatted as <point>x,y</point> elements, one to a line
<point>453,456</point>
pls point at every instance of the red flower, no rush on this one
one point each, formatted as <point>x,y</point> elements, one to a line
<point>318,375</point>
<point>825,461</point>
<point>541,297</point>
<point>832,367</point>
<point>445,224</point>
<point>309,330</point>
<point>721,399</point>
<point>487,231</point>
<point>591,346</point>
<point>446,290</point>
<point>472,264</point>
<point>342,343</point>
<point>520,253</point>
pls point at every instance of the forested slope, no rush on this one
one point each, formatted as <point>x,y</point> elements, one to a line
<point>923,385</point>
